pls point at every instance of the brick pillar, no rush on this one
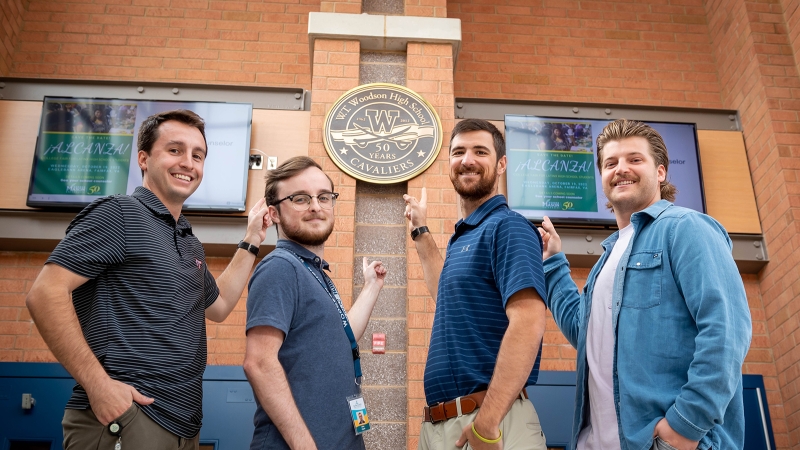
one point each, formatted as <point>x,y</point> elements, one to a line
<point>335,71</point>
<point>11,12</point>
<point>759,78</point>
<point>430,73</point>
<point>426,8</point>
<point>341,6</point>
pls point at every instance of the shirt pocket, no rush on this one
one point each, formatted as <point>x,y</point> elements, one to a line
<point>643,280</point>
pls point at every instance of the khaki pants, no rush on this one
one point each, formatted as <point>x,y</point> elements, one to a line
<point>82,431</point>
<point>521,430</point>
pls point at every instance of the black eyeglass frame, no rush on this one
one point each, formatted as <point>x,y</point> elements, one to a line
<point>334,196</point>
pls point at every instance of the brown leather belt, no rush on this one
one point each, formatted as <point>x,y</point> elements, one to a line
<point>449,410</point>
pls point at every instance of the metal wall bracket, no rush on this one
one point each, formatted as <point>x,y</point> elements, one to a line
<point>29,89</point>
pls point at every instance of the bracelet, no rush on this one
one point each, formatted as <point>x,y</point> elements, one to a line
<point>488,441</point>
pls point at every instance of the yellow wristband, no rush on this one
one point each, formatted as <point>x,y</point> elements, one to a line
<point>488,441</point>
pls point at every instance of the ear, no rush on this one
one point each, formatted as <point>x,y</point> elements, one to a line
<point>502,164</point>
<point>662,173</point>
<point>274,214</point>
<point>142,160</point>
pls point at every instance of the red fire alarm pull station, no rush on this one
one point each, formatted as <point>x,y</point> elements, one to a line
<point>378,343</point>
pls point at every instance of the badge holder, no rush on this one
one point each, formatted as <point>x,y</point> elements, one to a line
<point>115,428</point>
<point>358,411</point>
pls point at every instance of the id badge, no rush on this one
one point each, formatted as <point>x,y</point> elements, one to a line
<point>358,411</point>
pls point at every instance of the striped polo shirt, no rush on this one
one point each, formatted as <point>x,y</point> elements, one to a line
<point>493,254</point>
<point>143,309</point>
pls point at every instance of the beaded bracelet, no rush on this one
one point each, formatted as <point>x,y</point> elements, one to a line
<point>488,441</point>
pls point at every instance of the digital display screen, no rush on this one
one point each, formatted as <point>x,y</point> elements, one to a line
<point>86,149</point>
<point>552,168</point>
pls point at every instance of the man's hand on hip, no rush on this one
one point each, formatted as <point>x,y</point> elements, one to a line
<point>110,399</point>
<point>672,437</point>
<point>551,241</point>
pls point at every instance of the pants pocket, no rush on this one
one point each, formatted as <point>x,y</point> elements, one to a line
<point>127,417</point>
<point>660,444</point>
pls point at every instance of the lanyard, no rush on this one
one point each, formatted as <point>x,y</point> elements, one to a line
<point>330,289</point>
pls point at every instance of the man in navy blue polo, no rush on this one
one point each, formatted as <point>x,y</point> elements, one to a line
<point>490,318</point>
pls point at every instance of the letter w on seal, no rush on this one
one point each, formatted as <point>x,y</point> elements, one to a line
<point>382,121</point>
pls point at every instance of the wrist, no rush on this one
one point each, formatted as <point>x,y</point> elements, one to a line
<point>488,431</point>
<point>252,239</point>
<point>248,246</point>
<point>419,231</point>
<point>486,439</point>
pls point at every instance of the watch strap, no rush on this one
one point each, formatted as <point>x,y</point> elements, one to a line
<point>249,247</point>
<point>417,231</point>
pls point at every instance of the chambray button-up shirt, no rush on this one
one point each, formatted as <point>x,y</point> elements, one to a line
<point>682,329</point>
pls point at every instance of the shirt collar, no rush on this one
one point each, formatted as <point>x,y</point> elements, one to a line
<point>484,210</point>
<point>650,213</point>
<point>653,211</point>
<point>154,204</point>
<point>302,252</point>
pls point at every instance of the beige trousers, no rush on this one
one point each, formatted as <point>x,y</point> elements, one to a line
<point>521,430</point>
<point>82,431</point>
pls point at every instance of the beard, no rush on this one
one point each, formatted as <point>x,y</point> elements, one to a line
<point>634,201</point>
<point>311,238</point>
<point>475,191</point>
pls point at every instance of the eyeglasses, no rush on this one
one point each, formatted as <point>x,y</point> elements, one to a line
<point>301,202</point>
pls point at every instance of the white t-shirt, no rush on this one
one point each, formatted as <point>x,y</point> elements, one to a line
<point>601,433</point>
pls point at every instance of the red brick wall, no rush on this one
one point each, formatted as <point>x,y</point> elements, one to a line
<point>587,51</point>
<point>341,6</point>
<point>11,12</point>
<point>791,15</point>
<point>429,71</point>
<point>203,41</point>
<point>759,77</point>
<point>335,72</point>
<point>719,54</point>
<point>426,8</point>
<point>21,341</point>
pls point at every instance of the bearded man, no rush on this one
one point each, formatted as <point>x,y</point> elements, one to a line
<point>302,353</point>
<point>490,317</point>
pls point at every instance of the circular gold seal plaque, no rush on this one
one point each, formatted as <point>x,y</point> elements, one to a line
<point>382,133</point>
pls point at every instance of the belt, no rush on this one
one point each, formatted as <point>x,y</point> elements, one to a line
<point>458,407</point>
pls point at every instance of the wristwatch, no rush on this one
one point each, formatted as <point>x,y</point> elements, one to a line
<point>249,247</point>
<point>417,231</point>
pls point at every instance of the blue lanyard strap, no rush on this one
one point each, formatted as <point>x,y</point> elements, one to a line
<point>330,289</point>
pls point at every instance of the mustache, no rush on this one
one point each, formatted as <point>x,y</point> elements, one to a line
<point>616,180</point>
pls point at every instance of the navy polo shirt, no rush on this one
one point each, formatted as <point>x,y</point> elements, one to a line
<point>142,311</point>
<point>493,254</point>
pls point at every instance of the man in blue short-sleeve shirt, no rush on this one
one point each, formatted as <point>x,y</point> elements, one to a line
<point>490,318</point>
<point>299,358</point>
<point>122,300</point>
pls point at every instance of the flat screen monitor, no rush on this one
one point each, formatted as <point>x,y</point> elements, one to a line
<point>552,168</point>
<point>86,149</point>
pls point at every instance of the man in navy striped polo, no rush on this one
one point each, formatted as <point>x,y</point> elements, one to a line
<point>122,300</point>
<point>490,318</point>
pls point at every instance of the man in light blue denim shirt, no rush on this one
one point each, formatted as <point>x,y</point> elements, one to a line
<point>662,325</point>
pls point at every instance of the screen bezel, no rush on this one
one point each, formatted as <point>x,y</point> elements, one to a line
<point>602,222</point>
<point>77,205</point>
